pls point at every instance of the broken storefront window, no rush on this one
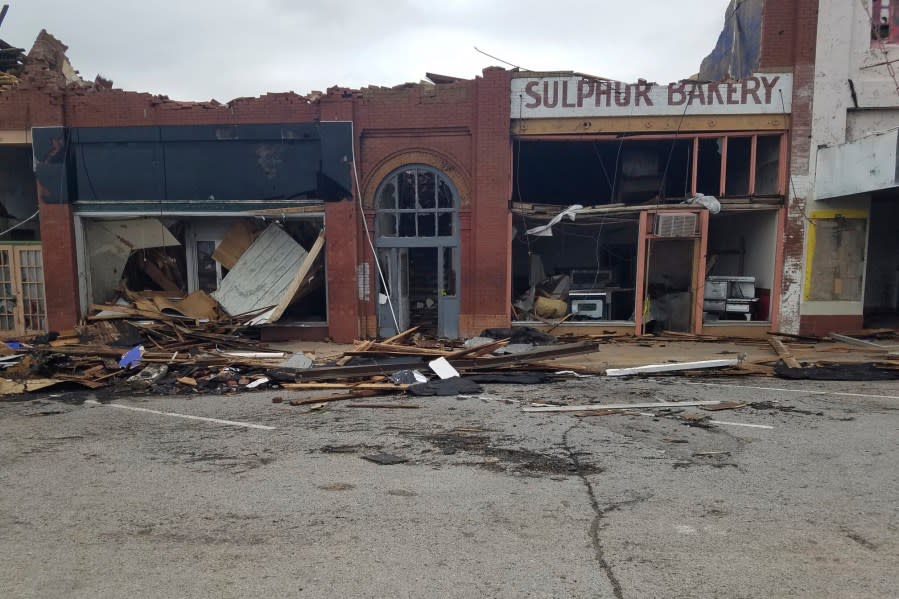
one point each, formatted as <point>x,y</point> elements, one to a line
<point>237,265</point>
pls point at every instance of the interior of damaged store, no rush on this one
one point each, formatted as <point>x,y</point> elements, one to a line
<point>647,233</point>
<point>208,223</point>
<point>259,269</point>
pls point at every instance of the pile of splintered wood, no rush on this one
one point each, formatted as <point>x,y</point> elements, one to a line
<point>202,356</point>
<point>364,370</point>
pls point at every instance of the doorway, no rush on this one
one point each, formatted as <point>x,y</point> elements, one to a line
<point>881,299</point>
<point>417,233</point>
<point>23,305</point>
<point>669,288</point>
<point>421,291</point>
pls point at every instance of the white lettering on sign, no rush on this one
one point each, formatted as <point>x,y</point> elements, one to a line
<point>574,96</point>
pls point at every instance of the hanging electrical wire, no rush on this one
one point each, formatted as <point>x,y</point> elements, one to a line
<point>14,227</point>
<point>371,244</point>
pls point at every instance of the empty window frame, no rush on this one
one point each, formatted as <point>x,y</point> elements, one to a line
<point>739,165</point>
<point>767,165</point>
<point>415,202</point>
<point>736,166</point>
<point>708,165</point>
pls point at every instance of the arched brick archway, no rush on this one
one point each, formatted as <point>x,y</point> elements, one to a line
<point>440,162</point>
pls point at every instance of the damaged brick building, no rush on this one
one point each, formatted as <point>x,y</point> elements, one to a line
<point>451,204</point>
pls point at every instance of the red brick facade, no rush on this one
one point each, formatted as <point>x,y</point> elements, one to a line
<point>460,128</point>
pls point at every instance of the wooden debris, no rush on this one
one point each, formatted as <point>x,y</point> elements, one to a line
<point>725,405</point>
<point>784,353</point>
<point>400,337</point>
<point>316,400</point>
<point>237,239</point>
<point>351,386</point>
<point>675,367</point>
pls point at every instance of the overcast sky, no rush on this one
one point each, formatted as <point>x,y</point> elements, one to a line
<point>222,49</point>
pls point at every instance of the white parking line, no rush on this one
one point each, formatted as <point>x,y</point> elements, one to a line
<point>837,393</point>
<point>187,416</point>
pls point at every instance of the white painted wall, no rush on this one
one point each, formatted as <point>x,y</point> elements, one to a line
<point>844,53</point>
<point>756,232</point>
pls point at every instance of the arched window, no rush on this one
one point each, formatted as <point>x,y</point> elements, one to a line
<point>416,201</point>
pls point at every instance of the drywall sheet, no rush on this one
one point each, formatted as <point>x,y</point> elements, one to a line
<point>110,243</point>
<point>264,273</point>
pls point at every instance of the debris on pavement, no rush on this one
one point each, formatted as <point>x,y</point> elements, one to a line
<point>660,368</point>
<point>384,459</point>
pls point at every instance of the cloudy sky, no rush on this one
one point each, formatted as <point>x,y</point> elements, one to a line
<point>222,49</point>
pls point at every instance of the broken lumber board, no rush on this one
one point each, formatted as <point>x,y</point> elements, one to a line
<point>620,406</point>
<point>861,342</point>
<point>538,354</point>
<point>236,241</point>
<point>347,396</point>
<point>348,386</point>
<point>159,277</point>
<point>400,336</point>
<point>396,350</point>
<point>661,368</point>
<point>297,281</point>
<point>478,350</point>
<point>785,354</point>
<point>324,373</point>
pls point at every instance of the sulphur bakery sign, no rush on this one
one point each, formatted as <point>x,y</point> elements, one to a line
<point>578,96</point>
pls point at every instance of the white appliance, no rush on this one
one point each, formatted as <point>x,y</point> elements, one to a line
<point>589,306</point>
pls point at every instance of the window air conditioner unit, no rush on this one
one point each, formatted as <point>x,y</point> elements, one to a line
<point>676,224</point>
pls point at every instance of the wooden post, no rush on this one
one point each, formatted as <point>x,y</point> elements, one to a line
<point>702,244</point>
<point>639,287</point>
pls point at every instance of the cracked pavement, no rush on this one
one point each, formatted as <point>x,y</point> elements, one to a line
<point>490,501</point>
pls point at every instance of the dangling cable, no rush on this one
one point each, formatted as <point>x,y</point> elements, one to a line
<point>371,244</point>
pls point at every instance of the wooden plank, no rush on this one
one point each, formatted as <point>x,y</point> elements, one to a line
<point>555,326</point>
<point>675,367</point>
<point>236,241</point>
<point>869,345</point>
<point>400,336</point>
<point>317,400</point>
<point>785,354</point>
<point>538,354</point>
<point>350,386</point>
<point>294,285</point>
<point>620,406</point>
<point>159,277</point>
<point>646,124</point>
<point>359,347</point>
<point>479,350</point>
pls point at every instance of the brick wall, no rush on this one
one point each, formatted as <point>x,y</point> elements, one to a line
<point>460,128</point>
<point>341,251</point>
<point>789,35</point>
<point>60,265</point>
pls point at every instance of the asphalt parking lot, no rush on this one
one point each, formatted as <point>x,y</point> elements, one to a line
<point>250,498</point>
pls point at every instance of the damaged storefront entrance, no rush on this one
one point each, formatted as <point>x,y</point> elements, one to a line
<point>417,233</point>
<point>254,268</point>
<point>633,233</point>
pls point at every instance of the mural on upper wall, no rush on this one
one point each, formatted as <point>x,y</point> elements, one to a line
<point>736,55</point>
